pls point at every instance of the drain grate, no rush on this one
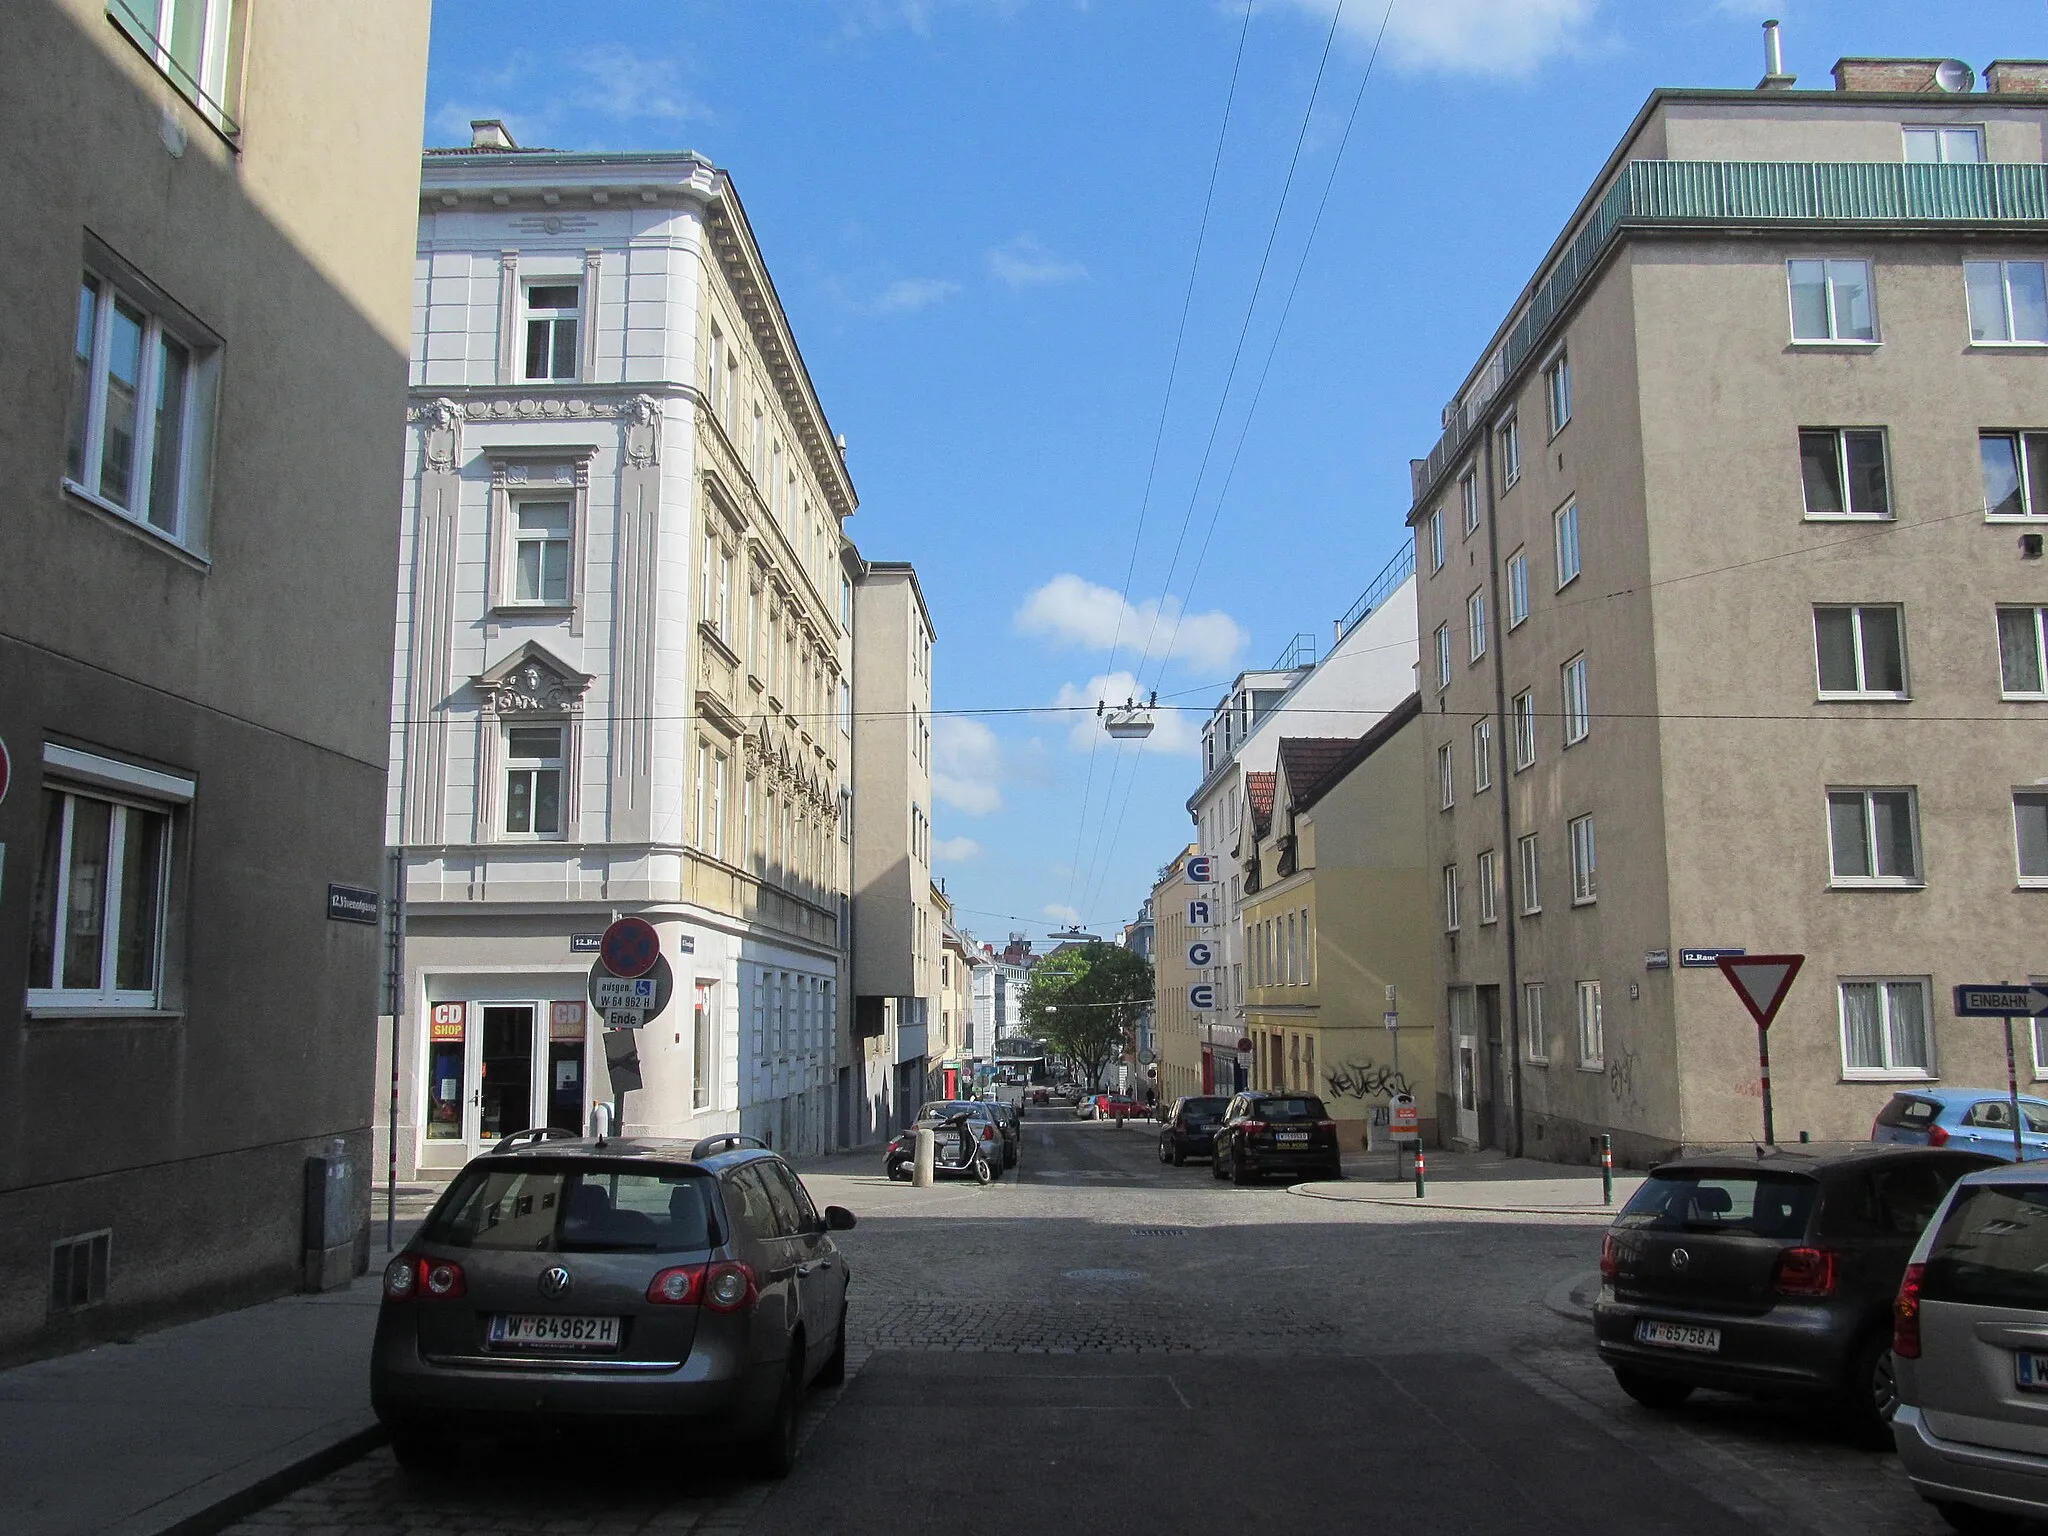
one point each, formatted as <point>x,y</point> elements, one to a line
<point>1159,1231</point>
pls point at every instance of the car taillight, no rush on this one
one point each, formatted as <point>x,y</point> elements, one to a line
<point>1610,1257</point>
<point>681,1286</point>
<point>1937,1135</point>
<point>1906,1314</point>
<point>1805,1272</point>
<point>988,1133</point>
<point>401,1279</point>
<point>441,1279</point>
<point>729,1286</point>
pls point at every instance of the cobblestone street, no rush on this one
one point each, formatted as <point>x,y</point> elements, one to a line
<point>1241,1341</point>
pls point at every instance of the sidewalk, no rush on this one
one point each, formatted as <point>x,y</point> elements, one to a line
<point>187,1429</point>
<point>1473,1181</point>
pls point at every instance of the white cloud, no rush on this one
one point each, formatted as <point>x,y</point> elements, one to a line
<point>1172,733</point>
<point>910,294</point>
<point>535,98</point>
<point>1026,263</point>
<point>1077,612</point>
<point>967,765</point>
<point>1064,915</point>
<point>1481,37</point>
<point>955,850</point>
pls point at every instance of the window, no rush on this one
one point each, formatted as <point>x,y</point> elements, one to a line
<point>1585,884</point>
<point>1592,1038</point>
<point>533,781</point>
<point>2008,301</point>
<point>1557,392</point>
<point>2015,466</point>
<point>1475,623</point>
<point>1446,778</point>
<point>1945,146</point>
<point>1468,498</point>
<point>1578,711</point>
<point>1489,888</point>
<point>1831,301</point>
<point>1524,707</point>
<point>2030,835</point>
<point>1860,652</point>
<point>1482,756</point>
<point>96,929</point>
<point>2022,648</point>
<point>1435,534</point>
<point>1885,1029</point>
<point>1450,898</point>
<point>1510,453</point>
<point>540,553</point>
<point>551,310</point>
<point>1843,472</point>
<point>1443,656</point>
<point>141,418</point>
<point>1565,541</point>
<point>1525,858</point>
<point>715,846</point>
<point>198,46</point>
<point>703,1045</point>
<point>1518,588</point>
<point>1535,1037</point>
<point>1873,837</point>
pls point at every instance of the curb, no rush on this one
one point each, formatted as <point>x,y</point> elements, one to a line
<point>194,1513</point>
<point>1573,1299</point>
<point>1409,1203</point>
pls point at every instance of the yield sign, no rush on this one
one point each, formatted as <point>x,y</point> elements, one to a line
<point>1761,981</point>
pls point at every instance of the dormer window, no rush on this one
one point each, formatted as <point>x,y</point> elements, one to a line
<point>552,311</point>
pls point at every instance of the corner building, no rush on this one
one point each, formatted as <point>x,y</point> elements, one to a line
<point>623,649</point>
<point>1730,635</point>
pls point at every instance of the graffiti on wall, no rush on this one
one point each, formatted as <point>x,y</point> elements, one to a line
<point>1365,1080</point>
<point>1621,1082</point>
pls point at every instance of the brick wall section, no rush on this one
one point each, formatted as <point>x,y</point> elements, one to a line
<point>1885,74</point>
<point>2017,77</point>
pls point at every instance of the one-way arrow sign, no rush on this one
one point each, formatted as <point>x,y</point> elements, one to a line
<point>2002,1000</point>
<point>1761,981</point>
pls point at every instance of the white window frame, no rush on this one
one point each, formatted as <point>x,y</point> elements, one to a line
<point>551,315</point>
<point>1446,778</point>
<point>1488,880</point>
<point>1468,500</point>
<point>1475,625</point>
<point>1856,611</point>
<point>2005,316</point>
<point>1585,861</point>
<point>1482,755</point>
<point>1518,589</point>
<point>1845,479</point>
<point>1888,1071</point>
<point>2033,501</point>
<point>1564,543</point>
<point>1535,1035</point>
<point>86,423</point>
<point>1941,134</point>
<point>1528,869</point>
<point>1451,913</point>
<point>1592,1027</point>
<point>1912,882</point>
<point>1557,391</point>
<point>2036,795</point>
<point>1578,704</point>
<point>519,538</point>
<point>1443,656</point>
<point>215,89</point>
<point>1522,711</point>
<point>533,767</point>
<point>1434,523</point>
<point>1510,437</point>
<point>2040,628</point>
<point>1834,336</point>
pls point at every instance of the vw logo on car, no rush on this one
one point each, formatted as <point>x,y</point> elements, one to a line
<point>1680,1258</point>
<point>554,1280</point>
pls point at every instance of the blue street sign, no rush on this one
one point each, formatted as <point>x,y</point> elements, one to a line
<point>1200,955</point>
<point>1705,959</point>
<point>2001,1000</point>
<point>1201,869</point>
<point>1201,997</point>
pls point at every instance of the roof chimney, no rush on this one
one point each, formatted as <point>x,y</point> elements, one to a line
<point>1775,78</point>
<point>489,133</point>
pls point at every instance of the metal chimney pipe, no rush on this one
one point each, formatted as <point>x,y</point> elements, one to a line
<point>1774,51</point>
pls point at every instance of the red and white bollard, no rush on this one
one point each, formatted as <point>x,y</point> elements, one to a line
<point>1421,1186</point>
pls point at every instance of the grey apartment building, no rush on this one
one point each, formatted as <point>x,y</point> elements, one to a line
<point>1731,620</point>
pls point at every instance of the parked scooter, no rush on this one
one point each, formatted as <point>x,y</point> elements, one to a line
<point>956,1152</point>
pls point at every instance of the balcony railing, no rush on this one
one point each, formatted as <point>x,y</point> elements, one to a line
<point>1652,194</point>
<point>1380,588</point>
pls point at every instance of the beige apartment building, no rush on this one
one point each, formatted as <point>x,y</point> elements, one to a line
<point>1731,616</point>
<point>202,368</point>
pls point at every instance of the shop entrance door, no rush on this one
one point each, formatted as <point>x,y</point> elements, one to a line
<point>504,1095</point>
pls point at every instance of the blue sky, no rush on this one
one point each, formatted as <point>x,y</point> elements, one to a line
<point>981,216</point>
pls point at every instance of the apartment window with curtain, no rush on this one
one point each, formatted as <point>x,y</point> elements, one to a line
<point>1844,472</point>
<point>1886,1031</point>
<point>2008,302</point>
<point>2030,835</point>
<point>1832,301</point>
<point>196,45</point>
<point>533,781</point>
<point>540,553</point>
<point>2022,653</point>
<point>1944,146</point>
<point>1482,756</point>
<point>1523,709</point>
<point>1860,653</point>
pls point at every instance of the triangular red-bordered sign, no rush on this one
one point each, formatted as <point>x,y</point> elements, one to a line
<point>1761,981</point>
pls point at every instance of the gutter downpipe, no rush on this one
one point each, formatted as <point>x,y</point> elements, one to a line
<point>1502,782</point>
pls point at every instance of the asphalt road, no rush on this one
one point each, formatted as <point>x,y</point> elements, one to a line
<point>1101,1342</point>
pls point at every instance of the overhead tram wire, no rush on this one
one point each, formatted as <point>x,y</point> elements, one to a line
<point>1159,434</point>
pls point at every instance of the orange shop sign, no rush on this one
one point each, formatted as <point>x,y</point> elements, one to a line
<point>448,1021</point>
<point>565,1020</point>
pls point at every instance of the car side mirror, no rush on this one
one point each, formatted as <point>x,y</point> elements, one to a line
<point>838,1219</point>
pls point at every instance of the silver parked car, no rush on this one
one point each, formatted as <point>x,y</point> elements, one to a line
<point>1970,1343</point>
<point>563,1281</point>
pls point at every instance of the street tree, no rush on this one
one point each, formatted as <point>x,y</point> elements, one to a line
<point>1085,1002</point>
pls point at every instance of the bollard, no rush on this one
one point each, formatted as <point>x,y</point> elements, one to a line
<point>1606,1169</point>
<point>1421,1187</point>
<point>927,1147</point>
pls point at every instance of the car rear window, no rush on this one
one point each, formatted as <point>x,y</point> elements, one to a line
<point>1203,1106</point>
<point>1905,1110</point>
<point>1288,1109</point>
<point>1774,1205</point>
<point>1992,1249</point>
<point>576,1209</point>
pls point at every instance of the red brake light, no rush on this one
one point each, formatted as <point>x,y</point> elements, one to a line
<point>1906,1314</point>
<point>1610,1257</point>
<point>729,1286</point>
<point>988,1133</point>
<point>441,1279</point>
<point>1937,1135</point>
<point>1805,1272</point>
<point>682,1286</point>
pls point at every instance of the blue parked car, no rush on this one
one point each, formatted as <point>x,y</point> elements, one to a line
<point>1973,1119</point>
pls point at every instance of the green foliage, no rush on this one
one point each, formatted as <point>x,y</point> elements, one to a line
<point>1086,1000</point>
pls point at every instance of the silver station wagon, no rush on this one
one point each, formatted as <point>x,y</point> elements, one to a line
<point>623,1283</point>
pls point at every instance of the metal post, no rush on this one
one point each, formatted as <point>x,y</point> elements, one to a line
<point>394,1002</point>
<point>1606,1169</point>
<point>1421,1186</point>
<point>2012,1091</point>
<point>1763,1061</point>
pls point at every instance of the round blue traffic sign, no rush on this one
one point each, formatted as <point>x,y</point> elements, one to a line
<point>630,947</point>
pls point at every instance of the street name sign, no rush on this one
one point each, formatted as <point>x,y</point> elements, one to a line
<point>1704,959</point>
<point>1201,869</point>
<point>585,943</point>
<point>353,904</point>
<point>1202,997</point>
<point>1200,955</point>
<point>630,947</point>
<point>2001,1000</point>
<point>1761,981</point>
<point>1656,959</point>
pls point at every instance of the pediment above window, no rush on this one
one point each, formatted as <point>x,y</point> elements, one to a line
<point>531,681</point>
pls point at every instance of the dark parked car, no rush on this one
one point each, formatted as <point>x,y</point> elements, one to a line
<point>613,1283</point>
<point>1190,1130</point>
<point>1272,1132</point>
<point>1771,1276</point>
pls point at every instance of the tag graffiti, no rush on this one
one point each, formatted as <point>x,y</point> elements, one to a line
<point>1364,1080</point>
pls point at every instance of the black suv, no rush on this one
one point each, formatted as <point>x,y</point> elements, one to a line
<point>1268,1133</point>
<point>626,1282</point>
<point>1769,1275</point>
<point>1190,1130</point>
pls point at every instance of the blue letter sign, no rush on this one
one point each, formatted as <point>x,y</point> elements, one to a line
<point>1201,869</point>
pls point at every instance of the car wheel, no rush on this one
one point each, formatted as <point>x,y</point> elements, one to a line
<point>1179,1157</point>
<point>833,1371</point>
<point>1972,1521</point>
<point>1238,1173</point>
<point>1165,1153</point>
<point>775,1451</point>
<point>982,1172</point>
<point>1216,1166</point>
<point>1659,1392</point>
<point>420,1452</point>
<point>899,1171</point>
<point>1871,1391</point>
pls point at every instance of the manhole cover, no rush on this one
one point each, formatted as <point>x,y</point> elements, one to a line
<point>1159,1231</point>
<point>1105,1276</point>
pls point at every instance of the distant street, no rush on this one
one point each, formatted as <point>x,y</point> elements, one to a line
<point>1105,1342</point>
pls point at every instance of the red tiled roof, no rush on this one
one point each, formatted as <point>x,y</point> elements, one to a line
<point>1259,788</point>
<point>1307,761</point>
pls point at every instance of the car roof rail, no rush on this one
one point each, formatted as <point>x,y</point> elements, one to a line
<point>531,1136</point>
<point>724,1141</point>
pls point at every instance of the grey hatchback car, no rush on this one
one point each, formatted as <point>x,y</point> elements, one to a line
<point>621,1283</point>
